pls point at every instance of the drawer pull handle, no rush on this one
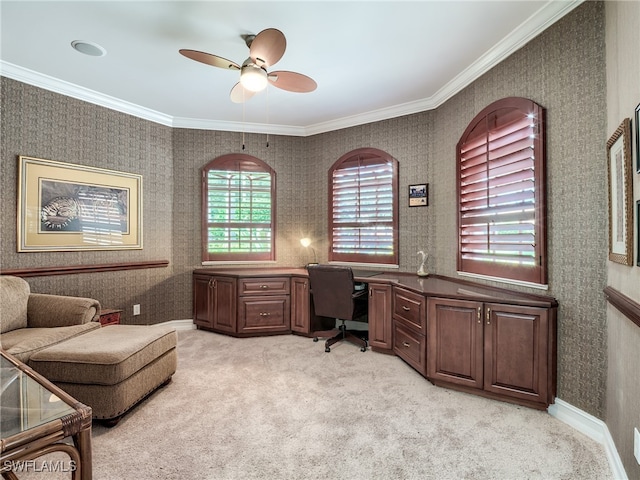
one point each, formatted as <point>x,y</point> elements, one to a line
<point>264,287</point>
<point>406,344</point>
<point>406,309</point>
<point>488,316</point>
<point>264,314</point>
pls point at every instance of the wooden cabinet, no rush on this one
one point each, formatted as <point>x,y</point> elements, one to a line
<point>214,303</point>
<point>379,316</point>
<point>409,328</point>
<point>242,307</point>
<point>502,351</point>
<point>264,306</point>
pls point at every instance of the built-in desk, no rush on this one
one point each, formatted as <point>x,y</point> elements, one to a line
<point>481,339</point>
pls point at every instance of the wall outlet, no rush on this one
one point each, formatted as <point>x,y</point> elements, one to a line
<point>636,444</point>
<point>136,309</point>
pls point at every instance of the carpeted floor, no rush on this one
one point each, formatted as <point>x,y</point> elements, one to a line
<point>281,408</point>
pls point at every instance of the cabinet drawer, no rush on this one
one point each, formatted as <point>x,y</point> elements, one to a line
<point>410,308</point>
<point>264,286</point>
<point>411,348</point>
<point>264,314</point>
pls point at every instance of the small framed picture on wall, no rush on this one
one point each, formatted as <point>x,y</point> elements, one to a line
<point>419,195</point>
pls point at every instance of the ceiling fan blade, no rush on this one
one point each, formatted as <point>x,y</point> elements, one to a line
<point>268,47</point>
<point>292,81</point>
<point>239,94</point>
<point>210,59</point>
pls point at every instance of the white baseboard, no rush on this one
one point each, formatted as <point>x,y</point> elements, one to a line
<point>593,428</point>
<point>181,324</point>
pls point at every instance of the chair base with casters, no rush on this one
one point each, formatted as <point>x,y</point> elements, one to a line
<point>360,339</point>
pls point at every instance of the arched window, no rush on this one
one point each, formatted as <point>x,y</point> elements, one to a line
<point>363,206</point>
<point>501,192</point>
<point>238,209</point>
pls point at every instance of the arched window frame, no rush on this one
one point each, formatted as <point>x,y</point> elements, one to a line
<point>247,195</point>
<point>499,144</point>
<point>360,216</point>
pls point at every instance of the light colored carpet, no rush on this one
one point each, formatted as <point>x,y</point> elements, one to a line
<point>281,408</point>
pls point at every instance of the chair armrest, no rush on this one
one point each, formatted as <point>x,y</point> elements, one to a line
<point>45,310</point>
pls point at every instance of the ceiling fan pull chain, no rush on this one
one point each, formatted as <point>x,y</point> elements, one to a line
<point>267,117</point>
<point>243,119</point>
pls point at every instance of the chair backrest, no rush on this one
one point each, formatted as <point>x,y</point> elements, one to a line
<point>332,288</point>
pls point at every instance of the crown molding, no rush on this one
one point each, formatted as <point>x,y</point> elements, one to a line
<point>547,15</point>
<point>47,82</point>
<point>524,33</point>
<point>200,124</point>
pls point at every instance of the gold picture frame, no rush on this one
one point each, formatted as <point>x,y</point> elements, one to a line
<point>67,207</point>
<point>620,195</point>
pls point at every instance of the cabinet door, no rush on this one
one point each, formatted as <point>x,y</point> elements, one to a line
<point>202,300</point>
<point>380,326</point>
<point>455,341</point>
<point>300,305</point>
<point>516,351</point>
<point>223,304</point>
<point>268,314</point>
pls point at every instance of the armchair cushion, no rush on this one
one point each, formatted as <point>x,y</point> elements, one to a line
<point>24,342</point>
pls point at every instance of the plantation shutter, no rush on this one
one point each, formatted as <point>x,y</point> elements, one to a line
<point>239,211</point>
<point>364,205</point>
<point>501,204</point>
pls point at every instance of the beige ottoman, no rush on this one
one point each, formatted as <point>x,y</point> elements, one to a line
<point>112,368</point>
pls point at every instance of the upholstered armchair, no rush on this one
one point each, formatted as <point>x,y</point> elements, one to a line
<point>30,322</point>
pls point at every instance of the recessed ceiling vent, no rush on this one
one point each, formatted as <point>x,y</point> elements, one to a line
<point>89,48</point>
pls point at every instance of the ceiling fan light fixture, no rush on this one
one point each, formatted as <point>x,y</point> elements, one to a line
<point>253,78</point>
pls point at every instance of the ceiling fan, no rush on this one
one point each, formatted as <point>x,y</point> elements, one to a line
<point>265,49</point>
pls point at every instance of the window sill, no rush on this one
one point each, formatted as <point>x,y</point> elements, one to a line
<point>237,262</point>
<point>366,265</point>
<point>505,280</point>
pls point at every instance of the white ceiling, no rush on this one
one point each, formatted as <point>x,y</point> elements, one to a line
<point>372,60</point>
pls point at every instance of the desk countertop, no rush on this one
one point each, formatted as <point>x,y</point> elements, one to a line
<point>432,285</point>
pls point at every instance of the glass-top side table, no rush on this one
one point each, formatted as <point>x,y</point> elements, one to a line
<point>35,416</point>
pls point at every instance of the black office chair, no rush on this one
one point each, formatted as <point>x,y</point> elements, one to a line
<point>335,295</point>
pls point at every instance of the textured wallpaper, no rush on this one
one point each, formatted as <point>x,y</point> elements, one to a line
<point>623,95</point>
<point>42,124</point>
<point>563,70</point>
